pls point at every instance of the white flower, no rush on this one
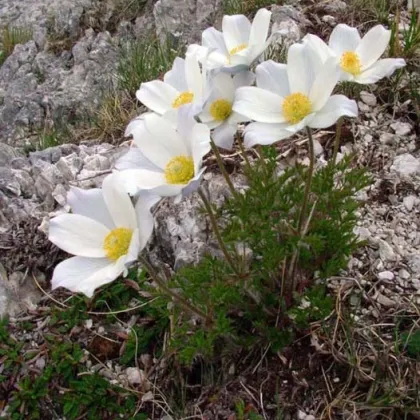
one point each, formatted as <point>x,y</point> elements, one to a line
<point>217,113</point>
<point>182,85</point>
<point>358,57</point>
<point>290,97</point>
<point>238,45</point>
<point>166,160</point>
<point>105,232</point>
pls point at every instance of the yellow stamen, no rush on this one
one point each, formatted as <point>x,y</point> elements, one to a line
<point>117,242</point>
<point>182,99</point>
<point>237,49</point>
<point>220,109</point>
<point>296,107</point>
<point>350,62</point>
<point>179,170</point>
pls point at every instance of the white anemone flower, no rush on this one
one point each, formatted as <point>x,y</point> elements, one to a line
<point>359,58</point>
<point>166,160</point>
<point>105,232</point>
<point>217,112</point>
<point>238,45</point>
<point>183,84</point>
<point>290,97</point>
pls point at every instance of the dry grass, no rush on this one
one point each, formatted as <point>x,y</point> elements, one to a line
<point>111,119</point>
<point>12,36</point>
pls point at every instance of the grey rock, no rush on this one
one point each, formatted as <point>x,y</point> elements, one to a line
<point>7,155</point>
<point>409,202</point>
<point>135,376</point>
<point>388,138</point>
<point>385,301</point>
<point>401,128</point>
<point>17,293</point>
<point>36,85</point>
<point>386,275</point>
<point>386,253</point>
<point>334,6</point>
<point>330,20</point>
<point>8,183</point>
<point>184,19</point>
<point>184,233</point>
<point>406,165</point>
<point>368,98</point>
<point>414,264</point>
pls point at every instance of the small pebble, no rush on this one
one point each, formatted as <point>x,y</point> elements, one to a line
<point>386,275</point>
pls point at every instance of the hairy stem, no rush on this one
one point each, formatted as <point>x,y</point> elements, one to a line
<point>216,231</point>
<point>222,167</point>
<point>178,298</point>
<point>337,139</point>
<point>308,180</point>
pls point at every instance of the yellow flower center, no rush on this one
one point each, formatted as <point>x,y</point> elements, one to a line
<point>179,170</point>
<point>350,63</point>
<point>117,242</point>
<point>237,49</point>
<point>220,109</point>
<point>296,107</point>
<point>182,99</point>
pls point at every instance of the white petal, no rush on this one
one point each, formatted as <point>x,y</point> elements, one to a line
<point>294,128</point>
<point>134,248</point>
<point>273,77</point>
<point>259,105</point>
<point>256,50</point>
<point>162,142</point>
<point>140,179</point>
<point>216,60</point>
<point>145,218</point>
<point>185,124</point>
<point>157,95</point>
<point>213,39</point>
<point>324,84</point>
<point>200,144</point>
<point>78,235</point>
<point>135,159</point>
<point>168,190</point>
<point>265,134</point>
<point>344,38</point>
<point>259,27</point>
<point>336,107</point>
<point>80,274</point>
<point>176,76</point>
<point>299,71</point>
<point>380,69</point>
<point>135,125</point>
<point>194,77</point>
<point>193,185</point>
<point>118,202</point>
<point>318,51</point>
<point>239,62</point>
<point>90,203</point>
<point>236,30</point>
<point>373,45</point>
<point>244,78</point>
<point>224,135</point>
<point>222,87</point>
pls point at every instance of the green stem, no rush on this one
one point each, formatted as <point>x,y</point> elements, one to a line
<point>222,167</point>
<point>216,231</point>
<point>308,181</point>
<point>337,139</point>
<point>181,300</point>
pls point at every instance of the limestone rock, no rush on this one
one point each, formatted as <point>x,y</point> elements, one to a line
<point>406,165</point>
